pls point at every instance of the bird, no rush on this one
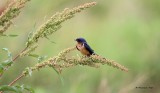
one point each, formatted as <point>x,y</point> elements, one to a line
<point>84,47</point>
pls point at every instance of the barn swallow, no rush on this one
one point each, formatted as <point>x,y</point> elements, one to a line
<point>83,47</point>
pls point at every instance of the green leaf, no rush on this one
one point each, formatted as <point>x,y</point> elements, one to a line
<point>55,70</point>
<point>5,49</point>
<point>28,88</point>
<point>3,35</point>
<point>12,35</point>
<point>1,68</point>
<point>25,87</point>
<point>4,64</point>
<point>49,40</point>
<point>31,32</point>
<point>34,26</point>
<point>29,71</point>
<point>41,58</point>
<point>10,88</point>
<point>8,53</point>
<point>61,78</point>
<point>34,55</point>
<point>17,88</point>
<point>7,63</point>
<point>20,87</point>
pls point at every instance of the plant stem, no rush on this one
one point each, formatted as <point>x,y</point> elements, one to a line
<point>15,80</point>
<point>15,58</point>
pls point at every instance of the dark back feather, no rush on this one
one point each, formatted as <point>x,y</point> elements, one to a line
<point>91,51</point>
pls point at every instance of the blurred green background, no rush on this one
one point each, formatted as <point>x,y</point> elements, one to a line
<point>127,31</point>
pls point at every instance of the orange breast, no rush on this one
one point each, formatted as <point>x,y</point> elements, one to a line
<point>82,49</point>
<point>84,52</point>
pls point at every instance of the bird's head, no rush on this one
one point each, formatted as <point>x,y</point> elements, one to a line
<point>80,40</point>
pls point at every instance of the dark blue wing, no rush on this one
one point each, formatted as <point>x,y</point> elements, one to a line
<point>91,51</point>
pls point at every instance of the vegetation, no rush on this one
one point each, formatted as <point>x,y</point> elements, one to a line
<point>121,30</point>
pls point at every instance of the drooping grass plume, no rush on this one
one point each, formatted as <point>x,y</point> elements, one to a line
<point>10,13</point>
<point>51,26</point>
<point>54,23</point>
<point>61,61</point>
<point>28,50</point>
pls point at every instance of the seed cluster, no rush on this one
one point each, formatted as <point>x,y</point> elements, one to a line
<point>10,13</point>
<point>54,23</point>
<point>61,61</point>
